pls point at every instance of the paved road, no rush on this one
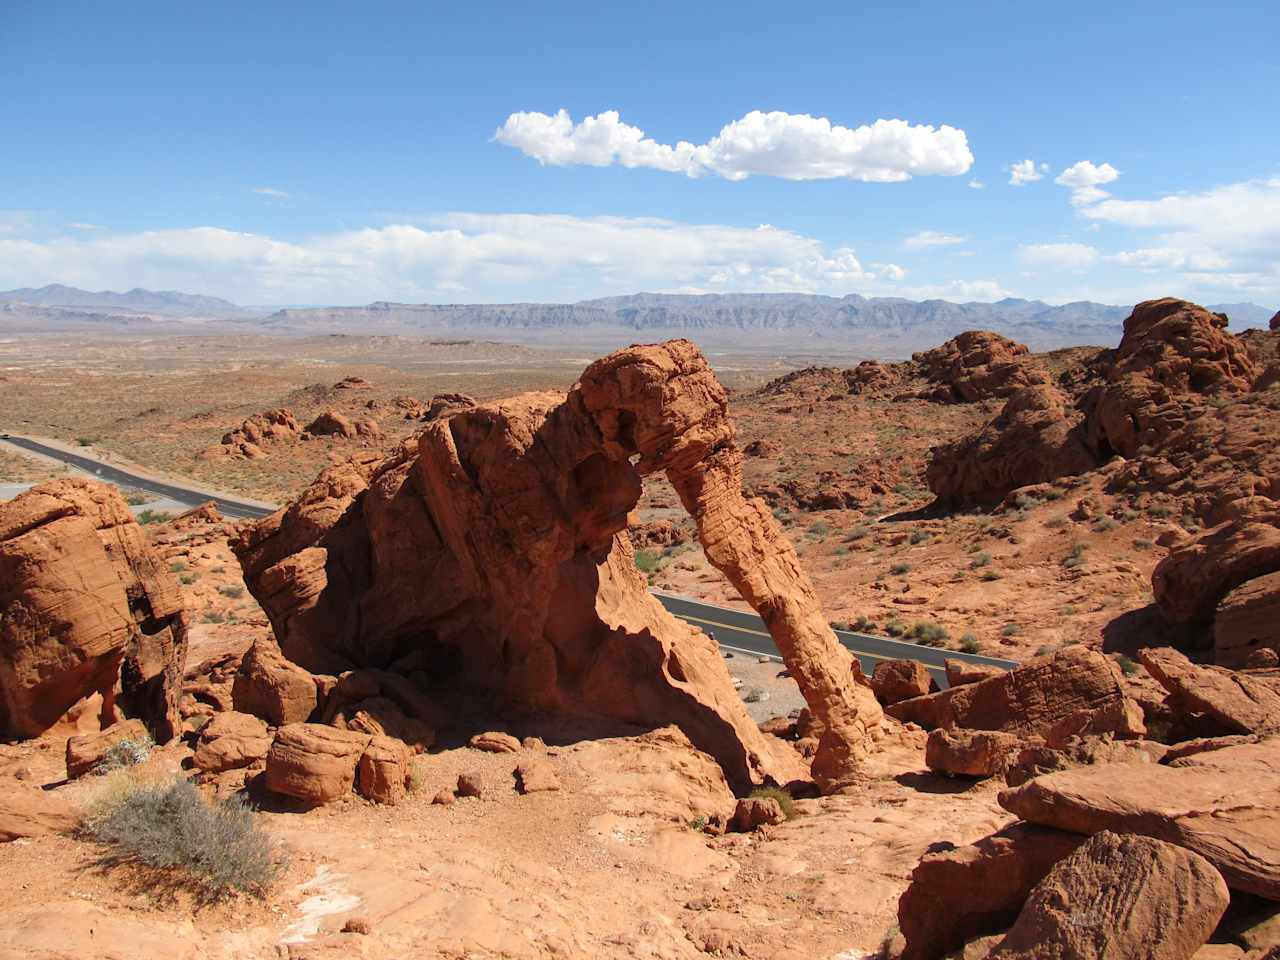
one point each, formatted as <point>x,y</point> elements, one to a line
<point>228,507</point>
<point>733,629</point>
<point>747,633</point>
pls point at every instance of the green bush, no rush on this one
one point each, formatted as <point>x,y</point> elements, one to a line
<point>927,634</point>
<point>153,516</point>
<point>1010,630</point>
<point>981,560</point>
<point>1127,666</point>
<point>969,643</point>
<point>898,569</point>
<point>784,799</point>
<point>232,591</point>
<point>647,561</point>
<point>213,849</point>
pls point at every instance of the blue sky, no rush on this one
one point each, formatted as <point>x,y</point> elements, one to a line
<point>340,153</point>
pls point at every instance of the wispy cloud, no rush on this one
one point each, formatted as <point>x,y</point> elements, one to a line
<point>977,185</point>
<point>271,192</point>
<point>931,238</point>
<point>84,226</point>
<point>787,145</point>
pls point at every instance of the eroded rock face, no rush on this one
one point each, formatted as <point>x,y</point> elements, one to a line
<point>256,432</point>
<point>1248,621</point>
<point>332,423</point>
<point>1240,702</point>
<point>86,607</point>
<point>1196,575</point>
<point>231,740</point>
<point>314,763</point>
<point>269,686</point>
<point>1030,700</point>
<point>958,894</point>
<point>494,551</point>
<point>1119,898</point>
<point>895,680</point>
<point>1223,804</point>
<point>979,365</point>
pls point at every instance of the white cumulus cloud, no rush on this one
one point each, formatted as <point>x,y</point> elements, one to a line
<point>475,257</point>
<point>931,238</point>
<point>1085,180</point>
<point>1026,171</point>
<point>777,144</point>
<point>1059,256</point>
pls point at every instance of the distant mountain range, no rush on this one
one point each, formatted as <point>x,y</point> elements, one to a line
<point>136,300</point>
<point>788,322</point>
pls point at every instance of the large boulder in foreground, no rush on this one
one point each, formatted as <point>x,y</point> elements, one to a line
<point>314,763</point>
<point>955,895</point>
<point>86,607</point>
<point>491,552</point>
<point>1119,898</point>
<point>1239,702</point>
<point>1223,804</point>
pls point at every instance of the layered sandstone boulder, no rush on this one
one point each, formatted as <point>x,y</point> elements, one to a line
<point>445,405</point>
<point>257,432</point>
<point>230,741</point>
<point>1119,898</point>
<point>1247,621</point>
<point>27,811</point>
<point>970,753</point>
<point>1223,804</point>
<point>494,551</point>
<point>86,752</point>
<point>1242,703</point>
<point>896,680</point>
<point>1196,575</point>
<point>1030,700</point>
<point>332,423</point>
<point>1037,437</point>
<point>313,762</point>
<point>961,893</point>
<point>980,365</point>
<point>382,772</point>
<point>269,686</point>
<point>87,608</point>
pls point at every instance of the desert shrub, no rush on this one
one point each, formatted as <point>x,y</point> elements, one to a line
<point>1043,649</point>
<point>177,566</point>
<point>213,616</point>
<point>1127,666</point>
<point>180,839</point>
<point>647,561</point>
<point>1104,524</point>
<point>1056,523</point>
<point>894,629</point>
<point>989,576</point>
<point>969,643</point>
<point>1141,544</point>
<point>232,591</point>
<point>125,753</point>
<point>784,799</point>
<point>1010,630</point>
<point>920,536</point>
<point>153,516</point>
<point>981,560</point>
<point>927,634</point>
<point>84,441</point>
<point>861,623</point>
<point>898,569</point>
<point>840,552</point>
<point>1024,501</point>
<point>859,532</point>
<point>136,498</point>
<point>820,528</point>
<point>188,578</point>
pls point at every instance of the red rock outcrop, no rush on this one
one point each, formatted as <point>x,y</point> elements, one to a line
<point>1119,898</point>
<point>1031,699</point>
<point>895,680</point>
<point>28,811</point>
<point>332,423</point>
<point>86,607</point>
<point>87,751</point>
<point>230,741</point>
<point>1240,702</point>
<point>1196,575</point>
<point>445,405</point>
<point>494,549</point>
<point>981,365</point>
<point>248,439</point>
<point>970,753</point>
<point>958,894</point>
<point>1247,621</point>
<point>314,763</point>
<point>1223,804</point>
<point>271,687</point>
<point>1037,437</point>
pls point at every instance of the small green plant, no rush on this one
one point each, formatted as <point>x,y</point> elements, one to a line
<point>859,532</point>
<point>1141,544</point>
<point>989,576</point>
<point>188,578</point>
<point>1127,666</point>
<point>177,566</point>
<point>898,569</point>
<point>1043,649</point>
<point>1104,524</point>
<point>1010,630</point>
<point>784,799</point>
<point>84,441</point>
<point>698,823</point>
<point>894,629</point>
<point>1056,523</point>
<point>136,498</point>
<point>179,839</point>
<point>861,623</point>
<point>927,634</point>
<point>213,616</point>
<point>647,561</point>
<point>231,590</point>
<point>125,753</point>
<point>920,536</point>
<point>981,560</point>
<point>1024,501</point>
<point>969,644</point>
<point>153,516</point>
<point>819,528</point>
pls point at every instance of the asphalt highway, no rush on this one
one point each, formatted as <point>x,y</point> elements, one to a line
<point>734,630</point>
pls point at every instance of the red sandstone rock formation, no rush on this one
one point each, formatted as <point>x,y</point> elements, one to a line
<point>248,439</point>
<point>331,423</point>
<point>86,607</point>
<point>495,552</point>
<point>1119,898</point>
<point>980,365</point>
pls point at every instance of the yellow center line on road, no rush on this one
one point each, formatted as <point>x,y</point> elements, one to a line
<point>761,633</point>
